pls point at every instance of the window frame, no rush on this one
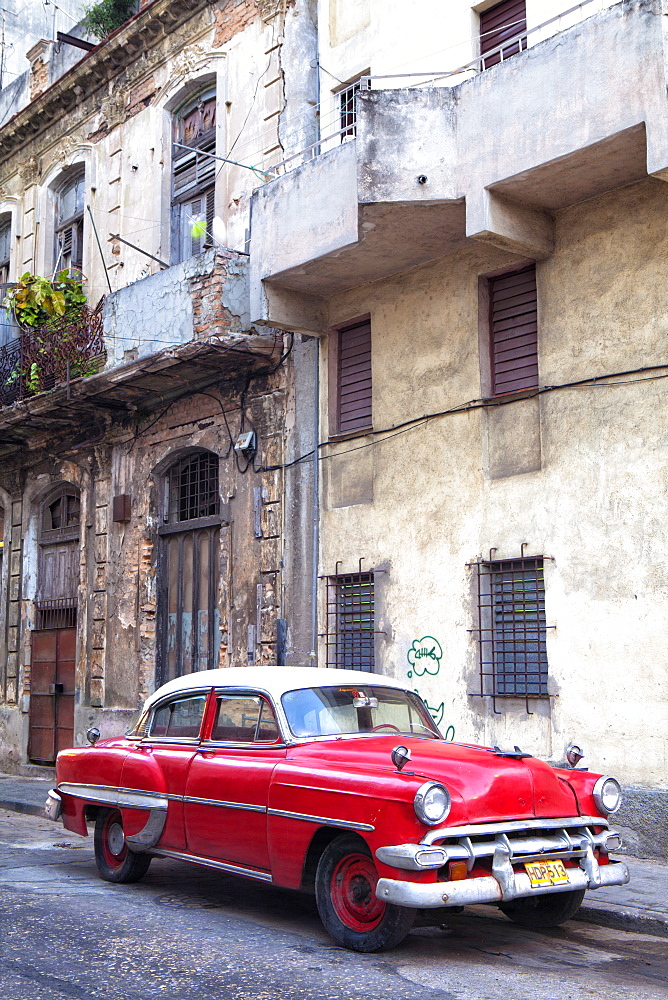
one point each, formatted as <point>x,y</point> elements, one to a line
<point>340,642</point>
<point>184,245</point>
<point>74,223</point>
<point>335,349</point>
<point>517,41</point>
<point>346,116</point>
<point>486,338</point>
<point>149,737</point>
<point>512,629</point>
<point>219,693</point>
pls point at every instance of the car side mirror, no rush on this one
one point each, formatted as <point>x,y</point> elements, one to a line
<point>92,735</point>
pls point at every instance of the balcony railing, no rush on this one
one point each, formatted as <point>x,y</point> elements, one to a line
<point>41,359</point>
<point>324,126</point>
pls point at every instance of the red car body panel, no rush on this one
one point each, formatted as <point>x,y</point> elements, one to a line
<point>262,806</point>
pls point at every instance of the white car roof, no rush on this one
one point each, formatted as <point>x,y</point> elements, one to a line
<point>275,681</point>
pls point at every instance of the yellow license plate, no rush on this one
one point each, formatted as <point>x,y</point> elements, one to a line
<point>542,873</point>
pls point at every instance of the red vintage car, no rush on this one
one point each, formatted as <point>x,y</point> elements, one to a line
<point>339,782</point>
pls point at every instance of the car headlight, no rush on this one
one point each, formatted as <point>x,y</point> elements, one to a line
<point>432,803</point>
<point>607,795</point>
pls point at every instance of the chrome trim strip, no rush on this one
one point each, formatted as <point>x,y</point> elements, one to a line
<point>344,824</point>
<point>137,798</point>
<point>151,832</point>
<point>128,798</point>
<point>511,826</point>
<point>219,865</point>
<point>245,806</point>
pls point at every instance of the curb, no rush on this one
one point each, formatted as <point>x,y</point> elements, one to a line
<point>16,805</point>
<point>623,920</point>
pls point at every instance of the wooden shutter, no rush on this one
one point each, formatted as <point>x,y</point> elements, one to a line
<point>354,377</point>
<point>514,331</point>
<point>505,20</point>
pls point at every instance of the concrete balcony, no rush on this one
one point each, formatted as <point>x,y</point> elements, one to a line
<point>491,159</point>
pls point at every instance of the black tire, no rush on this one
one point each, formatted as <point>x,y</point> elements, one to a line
<point>544,911</point>
<point>345,884</point>
<point>115,862</point>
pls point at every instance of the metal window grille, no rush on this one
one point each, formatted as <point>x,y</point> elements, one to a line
<point>193,488</point>
<point>511,628</point>
<point>347,110</point>
<point>57,613</point>
<point>350,621</point>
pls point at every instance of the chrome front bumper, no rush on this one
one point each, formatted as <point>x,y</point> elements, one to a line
<point>53,806</point>
<point>501,887</point>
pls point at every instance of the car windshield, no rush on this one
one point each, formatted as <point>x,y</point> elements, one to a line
<point>330,711</point>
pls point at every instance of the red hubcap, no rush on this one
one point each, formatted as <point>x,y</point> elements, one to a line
<point>353,893</point>
<point>113,841</point>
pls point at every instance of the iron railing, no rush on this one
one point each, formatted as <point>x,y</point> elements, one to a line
<point>39,359</point>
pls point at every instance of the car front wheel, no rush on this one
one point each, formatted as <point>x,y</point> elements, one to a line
<point>345,892</point>
<point>544,911</point>
<point>115,862</point>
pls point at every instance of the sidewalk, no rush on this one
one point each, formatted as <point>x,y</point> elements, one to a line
<point>642,905</point>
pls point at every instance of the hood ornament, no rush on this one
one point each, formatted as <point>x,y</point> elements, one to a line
<point>517,754</point>
<point>400,757</point>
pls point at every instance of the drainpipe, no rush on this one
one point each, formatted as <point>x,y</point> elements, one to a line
<point>316,505</point>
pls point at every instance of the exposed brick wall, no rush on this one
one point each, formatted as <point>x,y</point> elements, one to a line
<point>39,78</point>
<point>231,18</point>
<point>141,97</point>
<point>210,318</point>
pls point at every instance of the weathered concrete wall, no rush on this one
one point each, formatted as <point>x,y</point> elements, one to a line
<point>206,295</point>
<point>117,592</point>
<point>512,162</point>
<point>121,130</point>
<point>594,506</point>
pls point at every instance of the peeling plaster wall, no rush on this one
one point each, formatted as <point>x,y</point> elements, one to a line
<point>594,506</point>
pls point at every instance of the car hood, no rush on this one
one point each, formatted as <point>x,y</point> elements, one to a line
<point>484,786</point>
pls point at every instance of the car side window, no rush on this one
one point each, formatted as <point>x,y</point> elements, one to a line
<point>244,719</point>
<point>180,719</point>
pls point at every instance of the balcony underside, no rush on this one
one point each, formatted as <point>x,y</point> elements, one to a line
<point>83,409</point>
<point>393,238</point>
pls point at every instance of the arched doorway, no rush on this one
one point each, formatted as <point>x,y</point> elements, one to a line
<point>51,721</point>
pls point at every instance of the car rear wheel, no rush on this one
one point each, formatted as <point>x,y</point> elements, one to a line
<point>544,911</point>
<point>115,862</point>
<point>345,892</point>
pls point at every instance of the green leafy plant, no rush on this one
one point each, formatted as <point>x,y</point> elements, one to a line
<point>104,17</point>
<point>36,300</point>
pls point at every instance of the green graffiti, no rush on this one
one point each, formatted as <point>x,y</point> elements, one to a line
<point>425,656</point>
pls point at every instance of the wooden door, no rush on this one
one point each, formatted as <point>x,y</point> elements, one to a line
<point>51,722</point>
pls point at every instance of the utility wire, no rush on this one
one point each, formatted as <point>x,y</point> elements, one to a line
<point>593,382</point>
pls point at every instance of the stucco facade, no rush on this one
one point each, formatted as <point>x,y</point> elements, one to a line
<point>549,161</point>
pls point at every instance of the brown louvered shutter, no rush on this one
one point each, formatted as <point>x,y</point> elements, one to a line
<point>514,331</point>
<point>505,20</point>
<point>354,377</point>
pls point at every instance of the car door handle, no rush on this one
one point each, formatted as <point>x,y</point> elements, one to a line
<point>205,752</point>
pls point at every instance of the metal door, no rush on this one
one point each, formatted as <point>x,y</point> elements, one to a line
<point>51,693</point>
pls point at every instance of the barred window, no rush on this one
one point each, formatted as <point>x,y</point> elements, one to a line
<point>512,628</point>
<point>193,488</point>
<point>347,109</point>
<point>351,621</point>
